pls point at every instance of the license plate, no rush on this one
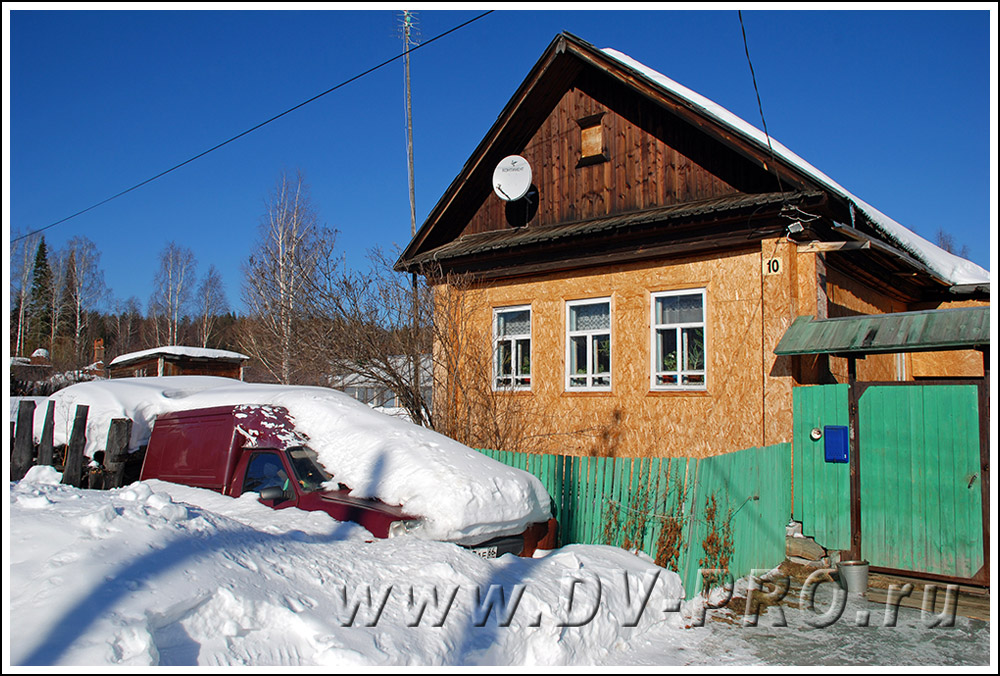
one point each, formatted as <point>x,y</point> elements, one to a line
<point>487,552</point>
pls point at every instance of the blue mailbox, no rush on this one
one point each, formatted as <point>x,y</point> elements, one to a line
<point>837,446</point>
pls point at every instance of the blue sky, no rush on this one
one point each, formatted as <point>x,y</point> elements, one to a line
<point>893,105</point>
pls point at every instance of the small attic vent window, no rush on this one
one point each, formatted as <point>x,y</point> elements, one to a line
<point>591,140</point>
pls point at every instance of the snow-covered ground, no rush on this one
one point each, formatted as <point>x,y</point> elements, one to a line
<point>159,574</point>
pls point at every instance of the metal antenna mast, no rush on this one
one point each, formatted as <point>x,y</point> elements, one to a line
<point>408,27</point>
<point>409,21</point>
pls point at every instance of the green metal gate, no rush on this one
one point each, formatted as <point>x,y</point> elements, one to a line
<point>921,478</point>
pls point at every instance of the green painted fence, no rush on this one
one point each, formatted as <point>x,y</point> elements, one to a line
<point>663,506</point>
<point>921,497</point>
<point>822,492</point>
<point>920,476</point>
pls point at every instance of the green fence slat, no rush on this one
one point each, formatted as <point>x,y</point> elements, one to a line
<point>583,489</point>
<point>607,493</point>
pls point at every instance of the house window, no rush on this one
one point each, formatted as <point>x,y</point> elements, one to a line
<point>512,348</point>
<point>591,140</point>
<point>588,344</point>
<point>678,340</point>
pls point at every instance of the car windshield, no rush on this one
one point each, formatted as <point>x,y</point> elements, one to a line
<point>307,471</point>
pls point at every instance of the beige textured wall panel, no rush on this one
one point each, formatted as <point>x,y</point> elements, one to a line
<point>632,420</point>
<point>779,310</point>
<point>849,297</point>
<point>952,364</point>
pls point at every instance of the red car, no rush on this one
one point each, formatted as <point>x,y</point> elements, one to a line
<point>255,448</point>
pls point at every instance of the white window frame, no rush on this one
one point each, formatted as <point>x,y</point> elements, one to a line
<point>515,355</point>
<point>682,369</point>
<point>590,375</point>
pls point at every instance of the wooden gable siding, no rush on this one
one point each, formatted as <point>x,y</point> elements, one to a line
<point>201,368</point>
<point>654,159</point>
<point>148,368</point>
<point>144,368</point>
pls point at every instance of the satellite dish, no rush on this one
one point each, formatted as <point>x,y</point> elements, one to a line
<point>512,178</point>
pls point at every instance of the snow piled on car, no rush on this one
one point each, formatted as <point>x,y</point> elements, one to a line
<point>461,494</point>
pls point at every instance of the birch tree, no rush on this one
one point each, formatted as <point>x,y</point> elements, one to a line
<point>211,303</point>
<point>172,291</point>
<point>58,266</point>
<point>85,289</point>
<point>124,326</point>
<point>280,279</point>
<point>22,260</point>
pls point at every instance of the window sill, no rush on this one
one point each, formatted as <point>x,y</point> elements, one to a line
<point>679,392</point>
<point>587,393</point>
<point>592,160</point>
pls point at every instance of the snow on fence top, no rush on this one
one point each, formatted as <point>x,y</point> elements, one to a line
<point>179,351</point>
<point>947,266</point>
<point>462,495</point>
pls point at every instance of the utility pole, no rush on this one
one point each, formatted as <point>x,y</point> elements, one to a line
<point>408,26</point>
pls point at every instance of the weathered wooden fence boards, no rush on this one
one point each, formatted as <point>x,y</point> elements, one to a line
<point>822,493</point>
<point>630,501</point>
<point>921,501</point>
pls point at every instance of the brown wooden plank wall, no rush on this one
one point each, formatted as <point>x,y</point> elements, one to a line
<point>655,159</point>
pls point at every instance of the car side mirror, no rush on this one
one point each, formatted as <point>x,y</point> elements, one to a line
<point>272,493</point>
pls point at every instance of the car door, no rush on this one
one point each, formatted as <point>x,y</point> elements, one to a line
<point>266,469</point>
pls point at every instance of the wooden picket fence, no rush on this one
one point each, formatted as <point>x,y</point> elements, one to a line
<point>117,467</point>
<point>727,511</point>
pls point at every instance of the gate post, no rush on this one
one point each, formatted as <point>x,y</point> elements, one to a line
<point>855,462</point>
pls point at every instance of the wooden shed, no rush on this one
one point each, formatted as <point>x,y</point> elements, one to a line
<point>178,360</point>
<point>631,299</point>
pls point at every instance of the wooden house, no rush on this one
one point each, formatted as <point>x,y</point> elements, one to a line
<point>178,360</point>
<point>632,298</point>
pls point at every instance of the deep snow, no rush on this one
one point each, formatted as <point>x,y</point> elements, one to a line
<point>462,495</point>
<point>159,574</point>
<point>156,573</point>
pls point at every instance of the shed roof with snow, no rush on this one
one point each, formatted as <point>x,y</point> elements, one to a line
<point>167,360</point>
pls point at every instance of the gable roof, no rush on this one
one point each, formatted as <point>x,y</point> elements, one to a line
<point>712,119</point>
<point>949,267</point>
<point>512,240</point>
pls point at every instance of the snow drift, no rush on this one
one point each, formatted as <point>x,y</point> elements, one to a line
<point>462,495</point>
<point>161,574</point>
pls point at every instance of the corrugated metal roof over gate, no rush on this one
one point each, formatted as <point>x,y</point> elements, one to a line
<point>950,329</point>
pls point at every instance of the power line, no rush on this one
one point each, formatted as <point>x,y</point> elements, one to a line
<point>255,127</point>
<point>760,107</point>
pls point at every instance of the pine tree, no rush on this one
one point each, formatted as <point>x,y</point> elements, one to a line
<point>40,301</point>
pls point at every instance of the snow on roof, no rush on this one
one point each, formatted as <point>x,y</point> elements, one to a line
<point>178,351</point>
<point>947,266</point>
<point>462,494</point>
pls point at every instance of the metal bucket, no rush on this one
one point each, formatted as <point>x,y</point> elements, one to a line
<point>853,576</point>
